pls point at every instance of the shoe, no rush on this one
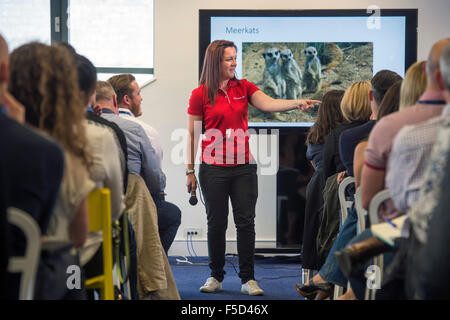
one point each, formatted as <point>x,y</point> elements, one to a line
<point>211,285</point>
<point>310,291</point>
<point>352,258</point>
<point>251,288</point>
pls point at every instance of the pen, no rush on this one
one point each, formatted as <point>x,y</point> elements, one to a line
<point>390,222</point>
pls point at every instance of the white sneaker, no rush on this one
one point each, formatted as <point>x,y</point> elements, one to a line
<point>251,288</point>
<point>211,285</point>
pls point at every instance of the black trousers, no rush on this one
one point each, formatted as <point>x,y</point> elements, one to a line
<point>240,184</point>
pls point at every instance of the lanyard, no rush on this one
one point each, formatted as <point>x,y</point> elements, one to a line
<point>431,101</point>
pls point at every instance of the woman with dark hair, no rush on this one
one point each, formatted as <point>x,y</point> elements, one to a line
<point>220,104</point>
<point>329,117</point>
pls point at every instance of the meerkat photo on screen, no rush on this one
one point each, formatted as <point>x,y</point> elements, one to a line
<point>292,74</point>
<point>273,83</point>
<point>312,76</point>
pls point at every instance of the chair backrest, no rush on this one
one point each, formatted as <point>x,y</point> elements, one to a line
<point>361,212</point>
<point>28,263</point>
<point>345,204</point>
<point>375,203</point>
<point>99,208</point>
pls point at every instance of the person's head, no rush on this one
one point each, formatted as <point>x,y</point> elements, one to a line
<point>44,80</point>
<point>355,104</point>
<point>329,116</point>
<point>87,79</point>
<point>381,82</point>
<point>128,92</point>
<point>413,85</point>
<point>391,100</point>
<point>4,65</point>
<point>444,75</point>
<point>432,66</point>
<point>106,97</point>
<point>219,65</point>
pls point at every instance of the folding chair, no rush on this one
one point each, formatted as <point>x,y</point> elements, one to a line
<point>362,213</point>
<point>375,203</point>
<point>345,205</point>
<point>99,207</point>
<point>28,263</point>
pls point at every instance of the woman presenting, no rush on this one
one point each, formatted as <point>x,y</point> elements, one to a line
<point>220,105</point>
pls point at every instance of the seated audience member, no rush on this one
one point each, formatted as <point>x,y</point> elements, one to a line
<point>86,74</point>
<point>44,81</point>
<point>34,183</point>
<point>142,159</point>
<point>349,138</point>
<point>429,277</point>
<point>356,110</point>
<point>389,104</point>
<point>329,117</point>
<point>129,102</point>
<point>105,169</point>
<point>32,166</point>
<point>355,106</point>
<point>429,105</point>
<point>414,84</point>
<point>423,148</point>
<point>108,144</point>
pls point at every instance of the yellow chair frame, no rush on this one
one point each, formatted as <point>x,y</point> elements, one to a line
<point>99,207</point>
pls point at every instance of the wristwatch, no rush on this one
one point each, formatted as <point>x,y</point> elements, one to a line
<point>188,172</point>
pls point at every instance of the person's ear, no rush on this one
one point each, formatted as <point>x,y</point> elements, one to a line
<point>115,101</point>
<point>4,72</point>
<point>371,95</point>
<point>126,99</point>
<point>439,80</point>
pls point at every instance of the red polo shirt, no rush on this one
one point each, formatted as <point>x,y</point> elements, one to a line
<point>226,123</point>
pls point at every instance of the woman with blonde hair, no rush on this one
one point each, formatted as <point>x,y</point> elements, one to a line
<point>413,85</point>
<point>356,110</point>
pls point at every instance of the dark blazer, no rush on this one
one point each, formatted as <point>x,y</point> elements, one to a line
<point>349,140</point>
<point>32,170</point>
<point>331,160</point>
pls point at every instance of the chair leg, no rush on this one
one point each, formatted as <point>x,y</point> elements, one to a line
<point>338,291</point>
<point>307,275</point>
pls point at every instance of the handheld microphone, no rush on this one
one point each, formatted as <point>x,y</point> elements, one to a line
<point>193,199</point>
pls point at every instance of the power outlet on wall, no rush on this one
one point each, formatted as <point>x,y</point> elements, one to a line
<point>193,233</point>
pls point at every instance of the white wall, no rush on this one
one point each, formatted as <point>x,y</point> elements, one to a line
<point>176,71</point>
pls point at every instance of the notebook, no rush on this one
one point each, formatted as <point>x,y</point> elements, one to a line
<point>387,232</point>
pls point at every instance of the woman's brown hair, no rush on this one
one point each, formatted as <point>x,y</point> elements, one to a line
<point>329,117</point>
<point>44,80</point>
<point>211,67</point>
<point>391,100</point>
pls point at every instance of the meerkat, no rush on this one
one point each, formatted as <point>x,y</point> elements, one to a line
<point>312,77</point>
<point>292,74</point>
<point>331,55</point>
<point>273,83</point>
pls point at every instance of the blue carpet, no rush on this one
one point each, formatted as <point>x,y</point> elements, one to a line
<point>275,275</point>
